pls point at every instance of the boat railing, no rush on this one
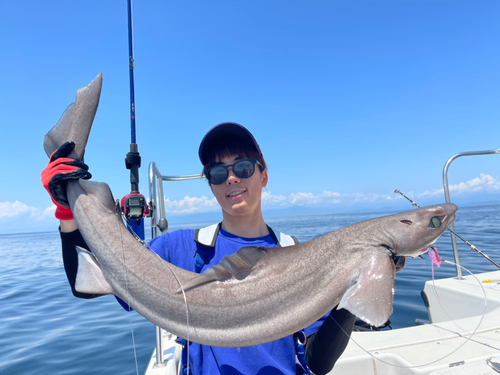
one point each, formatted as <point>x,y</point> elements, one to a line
<point>157,198</point>
<point>447,197</point>
<point>159,225</point>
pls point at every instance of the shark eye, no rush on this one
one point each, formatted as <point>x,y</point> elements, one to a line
<point>408,222</point>
<point>435,222</point>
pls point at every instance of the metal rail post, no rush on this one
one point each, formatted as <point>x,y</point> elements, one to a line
<point>159,221</point>
<point>447,197</point>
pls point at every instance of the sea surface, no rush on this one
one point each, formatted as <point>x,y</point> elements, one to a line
<point>45,330</point>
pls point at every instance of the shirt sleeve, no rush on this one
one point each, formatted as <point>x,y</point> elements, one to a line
<point>326,345</point>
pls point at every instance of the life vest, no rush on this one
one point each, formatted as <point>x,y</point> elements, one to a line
<point>208,236</point>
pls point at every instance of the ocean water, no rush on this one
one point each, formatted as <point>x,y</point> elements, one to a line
<point>45,330</point>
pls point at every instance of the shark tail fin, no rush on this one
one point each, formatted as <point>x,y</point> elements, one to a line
<point>76,122</point>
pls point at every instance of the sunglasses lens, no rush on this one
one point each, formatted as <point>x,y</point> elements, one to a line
<point>241,169</point>
<point>217,175</point>
<point>244,169</point>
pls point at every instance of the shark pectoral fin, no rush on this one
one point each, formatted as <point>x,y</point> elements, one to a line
<point>371,296</point>
<point>237,266</point>
<point>89,276</point>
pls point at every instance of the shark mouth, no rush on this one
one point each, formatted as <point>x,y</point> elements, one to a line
<point>424,250</point>
<point>427,248</point>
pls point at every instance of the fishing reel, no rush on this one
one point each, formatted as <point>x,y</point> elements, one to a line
<point>134,206</point>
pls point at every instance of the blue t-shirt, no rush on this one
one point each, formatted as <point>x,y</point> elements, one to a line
<point>277,357</point>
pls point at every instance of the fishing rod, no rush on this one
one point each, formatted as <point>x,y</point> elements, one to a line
<point>134,204</point>
<point>472,247</point>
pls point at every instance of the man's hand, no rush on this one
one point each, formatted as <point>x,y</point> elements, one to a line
<point>58,172</point>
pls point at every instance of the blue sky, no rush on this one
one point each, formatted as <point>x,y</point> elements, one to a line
<point>349,100</point>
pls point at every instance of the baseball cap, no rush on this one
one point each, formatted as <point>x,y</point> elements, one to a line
<point>216,135</point>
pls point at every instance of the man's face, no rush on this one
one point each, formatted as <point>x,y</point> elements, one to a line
<point>240,196</point>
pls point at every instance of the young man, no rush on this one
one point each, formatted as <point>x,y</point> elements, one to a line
<point>236,172</point>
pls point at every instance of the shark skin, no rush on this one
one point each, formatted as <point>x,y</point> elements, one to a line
<point>255,295</point>
<point>76,121</point>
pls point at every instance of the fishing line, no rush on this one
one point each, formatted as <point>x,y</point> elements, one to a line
<point>482,317</point>
<point>146,244</point>
<point>472,247</point>
<point>126,284</point>
<point>439,359</point>
<point>185,303</point>
<point>485,301</point>
<point>437,260</point>
<point>433,284</point>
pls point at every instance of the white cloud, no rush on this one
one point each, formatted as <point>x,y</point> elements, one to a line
<point>482,184</point>
<point>20,214</point>
<point>191,205</point>
<point>47,213</point>
<point>19,217</point>
<point>276,200</point>
<point>10,210</point>
<point>325,198</point>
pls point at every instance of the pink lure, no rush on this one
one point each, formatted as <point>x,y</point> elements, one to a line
<point>436,259</point>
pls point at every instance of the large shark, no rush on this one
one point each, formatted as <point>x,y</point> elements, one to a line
<point>254,296</point>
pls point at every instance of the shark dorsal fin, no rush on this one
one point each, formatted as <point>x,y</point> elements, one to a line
<point>234,266</point>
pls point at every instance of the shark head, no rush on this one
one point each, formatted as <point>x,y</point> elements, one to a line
<point>413,232</point>
<point>371,292</point>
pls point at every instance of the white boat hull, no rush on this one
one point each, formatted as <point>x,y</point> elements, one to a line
<point>439,347</point>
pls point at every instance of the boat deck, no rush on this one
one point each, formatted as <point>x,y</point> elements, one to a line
<point>441,347</point>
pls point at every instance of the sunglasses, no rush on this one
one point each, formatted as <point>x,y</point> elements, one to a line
<point>241,169</point>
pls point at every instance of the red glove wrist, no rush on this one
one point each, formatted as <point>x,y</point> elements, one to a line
<point>53,168</point>
<point>63,213</point>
